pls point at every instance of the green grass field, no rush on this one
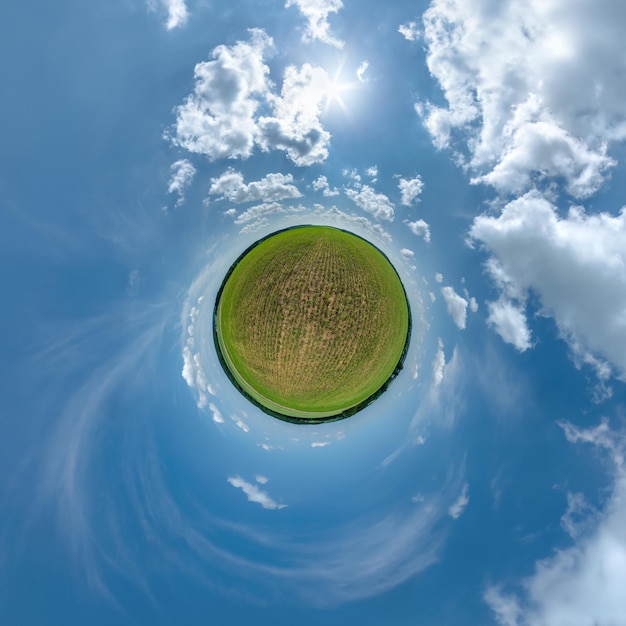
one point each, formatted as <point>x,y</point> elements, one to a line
<point>312,321</point>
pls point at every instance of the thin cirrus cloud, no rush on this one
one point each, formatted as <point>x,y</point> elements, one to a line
<point>439,364</point>
<point>221,118</point>
<point>458,506</point>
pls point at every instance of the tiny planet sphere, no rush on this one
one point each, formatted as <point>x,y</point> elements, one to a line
<point>312,323</point>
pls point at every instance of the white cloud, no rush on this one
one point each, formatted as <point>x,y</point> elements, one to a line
<point>177,13</point>
<point>316,13</point>
<point>456,305</point>
<point>579,515</point>
<point>406,253</point>
<point>375,203</point>
<point>360,73</point>
<point>577,267</point>
<point>439,364</point>
<point>515,98</point>
<point>584,583</point>
<point>410,31</point>
<point>262,480</point>
<point>295,126</point>
<point>270,188</point>
<point>240,423</point>
<point>372,172</point>
<point>192,371</point>
<point>220,118</point>
<point>255,494</point>
<point>473,305</point>
<point>320,444</point>
<point>217,415</point>
<point>182,173</point>
<point>410,189</point>
<point>352,174</point>
<point>457,508</point>
<point>509,321</point>
<point>438,277</point>
<point>321,184</point>
<point>260,211</point>
<point>419,228</point>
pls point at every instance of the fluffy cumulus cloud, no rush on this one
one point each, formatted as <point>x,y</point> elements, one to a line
<point>295,126</point>
<point>270,188</point>
<point>316,12</point>
<point>419,228</point>
<point>583,584</point>
<point>575,264</point>
<point>410,189</point>
<point>456,305</point>
<point>182,173</point>
<point>511,74</point>
<point>321,184</point>
<point>218,119</point>
<point>509,321</point>
<point>254,493</point>
<point>375,203</point>
<point>221,119</point>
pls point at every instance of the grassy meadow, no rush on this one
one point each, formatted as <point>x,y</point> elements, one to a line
<point>312,321</point>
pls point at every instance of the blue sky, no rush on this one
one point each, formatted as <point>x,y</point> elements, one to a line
<point>480,145</point>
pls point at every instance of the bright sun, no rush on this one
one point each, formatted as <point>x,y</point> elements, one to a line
<point>336,89</point>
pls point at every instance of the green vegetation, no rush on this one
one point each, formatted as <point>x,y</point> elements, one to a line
<point>311,322</point>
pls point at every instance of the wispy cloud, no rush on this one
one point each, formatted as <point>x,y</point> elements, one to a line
<point>439,364</point>
<point>456,509</point>
<point>582,584</point>
<point>177,13</point>
<point>216,413</point>
<point>410,31</point>
<point>182,173</point>
<point>254,493</point>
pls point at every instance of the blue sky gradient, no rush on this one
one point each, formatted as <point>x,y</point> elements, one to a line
<point>479,145</point>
